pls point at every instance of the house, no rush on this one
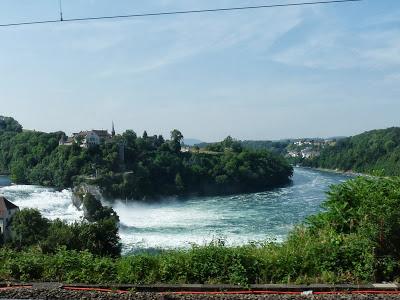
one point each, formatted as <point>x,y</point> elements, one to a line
<point>293,154</point>
<point>309,153</point>
<point>87,139</point>
<point>7,210</point>
<point>91,139</point>
<point>66,141</point>
<point>185,149</point>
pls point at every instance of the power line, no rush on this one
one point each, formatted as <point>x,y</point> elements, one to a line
<point>182,12</point>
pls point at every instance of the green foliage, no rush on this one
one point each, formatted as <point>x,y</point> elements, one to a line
<point>152,167</point>
<point>278,147</point>
<point>63,266</point>
<point>28,228</point>
<point>370,152</point>
<point>176,140</point>
<point>157,168</point>
<point>95,211</point>
<point>364,208</point>
<point>274,146</point>
<point>9,124</point>
<point>100,237</point>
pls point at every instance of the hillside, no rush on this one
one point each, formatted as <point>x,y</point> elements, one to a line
<point>369,152</point>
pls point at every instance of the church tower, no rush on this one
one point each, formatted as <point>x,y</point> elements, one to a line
<point>112,130</point>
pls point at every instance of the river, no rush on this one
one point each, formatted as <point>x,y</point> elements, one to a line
<point>175,224</point>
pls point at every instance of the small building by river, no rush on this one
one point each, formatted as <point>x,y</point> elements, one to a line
<point>7,211</point>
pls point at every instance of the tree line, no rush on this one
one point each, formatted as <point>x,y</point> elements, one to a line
<point>152,166</point>
<point>376,151</point>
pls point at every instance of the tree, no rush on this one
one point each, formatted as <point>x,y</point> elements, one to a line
<point>237,147</point>
<point>176,136</point>
<point>179,183</point>
<point>59,235</point>
<point>95,211</point>
<point>9,124</point>
<point>228,141</point>
<point>29,227</point>
<point>18,174</point>
<point>176,140</point>
<point>129,137</point>
<point>100,238</point>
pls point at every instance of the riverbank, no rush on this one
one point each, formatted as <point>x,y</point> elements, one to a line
<point>336,171</point>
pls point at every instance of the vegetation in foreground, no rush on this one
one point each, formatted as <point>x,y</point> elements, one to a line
<point>369,152</point>
<point>355,240</point>
<point>97,233</point>
<point>151,166</point>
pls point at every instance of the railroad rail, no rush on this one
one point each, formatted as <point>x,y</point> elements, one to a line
<point>206,289</point>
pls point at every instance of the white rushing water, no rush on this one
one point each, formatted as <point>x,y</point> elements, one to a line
<point>51,203</point>
<point>171,223</point>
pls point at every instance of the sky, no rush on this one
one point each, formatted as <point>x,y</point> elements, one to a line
<point>267,74</point>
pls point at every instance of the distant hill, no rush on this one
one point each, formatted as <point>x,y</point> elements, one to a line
<point>191,142</point>
<point>371,151</point>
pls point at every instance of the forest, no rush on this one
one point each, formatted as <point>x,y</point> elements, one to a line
<point>372,152</point>
<point>278,147</point>
<point>152,167</point>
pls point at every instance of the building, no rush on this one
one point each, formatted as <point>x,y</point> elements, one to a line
<point>293,154</point>
<point>87,139</point>
<point>7,210</point>
<point>66,141</point>
<point>91,139</point>
<point>309,153</point>
<point>185,149</point>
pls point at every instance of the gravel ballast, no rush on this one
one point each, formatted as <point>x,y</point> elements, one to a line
<point>26,293</point>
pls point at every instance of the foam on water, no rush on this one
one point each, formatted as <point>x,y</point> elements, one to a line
<point>165,214</point>
<point>171,223</point>
<point>51,203</point>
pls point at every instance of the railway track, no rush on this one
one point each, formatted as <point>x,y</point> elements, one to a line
<point>197,291</point>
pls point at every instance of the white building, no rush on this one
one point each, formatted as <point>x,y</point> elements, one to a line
<point>293,154</point>
<point>87,139</point>
<point>7,210</point>
<point>185,149</point>
<point>91,139</point>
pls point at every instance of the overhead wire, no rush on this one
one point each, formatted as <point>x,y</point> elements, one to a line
<point>179,12</point>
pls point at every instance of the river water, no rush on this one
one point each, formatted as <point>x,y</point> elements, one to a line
<point>174,224</point>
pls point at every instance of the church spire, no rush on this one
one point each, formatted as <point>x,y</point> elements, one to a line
<point>112,130</point>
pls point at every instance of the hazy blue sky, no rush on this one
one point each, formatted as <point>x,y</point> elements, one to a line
<point>266,74</point>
